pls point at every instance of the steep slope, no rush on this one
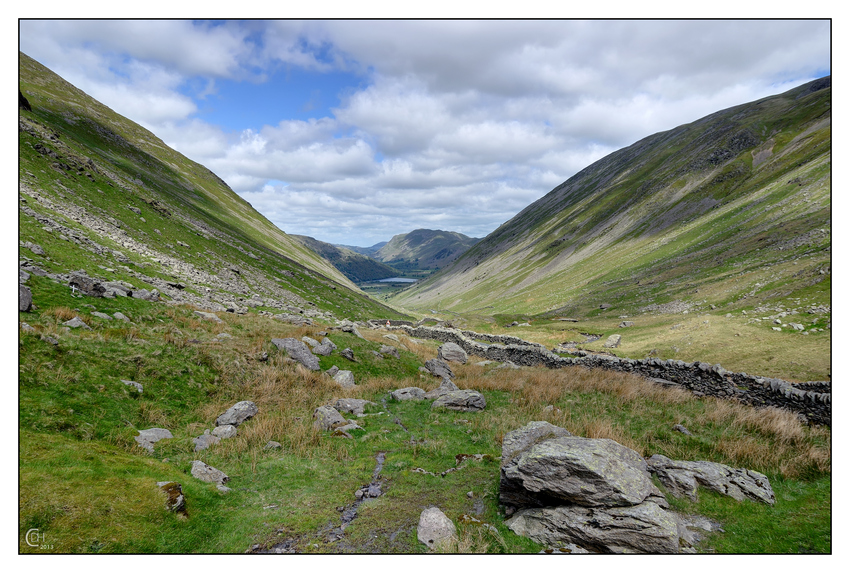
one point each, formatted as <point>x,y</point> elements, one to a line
<point>732,208</point>
<point>102,194</point>
<point>357,267</point>
<point>424,249</point>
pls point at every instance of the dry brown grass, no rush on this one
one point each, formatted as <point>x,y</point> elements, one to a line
<point>60,313</point>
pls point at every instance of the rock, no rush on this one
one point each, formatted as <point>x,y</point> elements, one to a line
<point>327,418</point>
<point>209,474</point>
<point>237,414</point>
<point>149,295</point>
<point>76,322</point>
<point>626,324</point>
<point>519,440</point>
<point>445,387</point>
<point>24,298</point>
<point>208,316</point>
<point>352,328</point>
<point>411,393</point>
<point>642,528</point>
<point>135,385</point>
<point>351,405</point>
<point>796,326</point>
<point>389,350</point>
<point>225,431</point>
<point>298,351</point>
<point>344,378</point>
<point>451,352</point>
<point>121,316</point>
<point>26,327</point>
<point>681,478</point>
<point>332,370</point>
<point>205,440</point>
<point>147,438</point>
<point>436,530</point>
<point>392,337</point>
<point>681,428</point>
<point>272,445</point>
<point>439,368</point>
<point>174,499</point>
<point>347,354</point>
<point>613,341</point>
<point>311,342</point>
<point>102,315</point>
<point>36,249</point>
<point>461,401</point>
<point>323,350</point>
<point>79,281</point>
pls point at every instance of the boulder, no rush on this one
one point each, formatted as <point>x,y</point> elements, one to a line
<point>681,478</point>
<point>389,350</point>
<point>323,349</point>
<point>445,387</point>
<point>348,354</point>
<point>139,388</point>
<point>626,324</point>
<point>344,378</point>
<point>439,368</point>
<point>237,414</point>
<point>298,351</point>
<point>121,316</point>
<point>581,471</point>
<point>351,405</point>
<point>225,431</point>
<point>207,473</point>
<point>436,530</point>
<point>410,393</point>
<point>208,316</point>
<point>147,438</point>
<point>642,528</point>
<point>272,445</point>
<point>205,440</point>
<point>311,342</point>
<point>451,352</point>
<point>102,315</point>
<point>613,341</point>
<point>76,322</point>
<point>461,401</point>
<point>83,283</point>
<point>517,441</point>
<point>174,499</point>
<point>24,298</point>
<point>327,418</point>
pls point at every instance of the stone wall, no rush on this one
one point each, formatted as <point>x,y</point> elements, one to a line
<point>813,400</point>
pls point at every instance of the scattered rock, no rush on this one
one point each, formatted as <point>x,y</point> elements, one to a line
<point>225,431</point>
<point>24,299</point>
<point>102,315</point>
<point>147,438</point>
<point>451,352</point>
<point>327,418</point>
<point>445,387</point>
<point>392,337</point>
<point>80,281</point>
<point>298,351</point>
<point>174,499</point>
<point>311,342</point>
<point>348,354</point>
<point>207,473</point>
<point>121,316</point>
<point>436,530</point>
<point>76,322</point>
<point>626,324</point>
<point>272,445</point>
<point>345,378</point>
<point>461,401</point>
<point>205,440</point>
<point>135,385</point>
<point>681,428</point>
<point>411,393</point>
<point>208,316</point>
<point>613,341</point>
<point>439,368</point>
<point>237,414</point>
<point>389,350</point>
<point>352,405</point>
<point>681,478</point>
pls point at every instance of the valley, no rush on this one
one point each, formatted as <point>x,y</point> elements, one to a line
<point>153,300</point>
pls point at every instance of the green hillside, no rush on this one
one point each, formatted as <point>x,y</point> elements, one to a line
<point>357,267</point>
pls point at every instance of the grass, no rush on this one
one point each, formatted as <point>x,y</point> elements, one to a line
<point>89,488</point>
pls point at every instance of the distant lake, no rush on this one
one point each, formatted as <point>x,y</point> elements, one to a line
<point>397,280</point>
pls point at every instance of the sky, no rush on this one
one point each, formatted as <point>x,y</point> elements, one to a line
<point>353,131</point>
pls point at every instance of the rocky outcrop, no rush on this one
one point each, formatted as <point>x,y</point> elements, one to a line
<point>682,478</point>
<point>438,368</point>
<point>298,351</point>
<point>461,401</point>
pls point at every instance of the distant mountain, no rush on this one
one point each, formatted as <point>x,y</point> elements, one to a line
<point>358,267</point>
<point>424,249</point>
<point>732,209</point>
<point>368,251</point>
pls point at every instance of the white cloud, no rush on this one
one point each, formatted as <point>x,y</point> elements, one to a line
<point>459,124</point>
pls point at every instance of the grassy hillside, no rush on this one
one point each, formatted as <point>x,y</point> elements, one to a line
<point>357,267</point>
<point>101,194</point>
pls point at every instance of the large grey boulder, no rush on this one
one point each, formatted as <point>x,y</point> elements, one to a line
<point>351,405</point>
<point>681,478</point>
<point>451,352</point>
<point>345,378</point>
<point>439,368</point>
<point>518,441</point>
<point>445,387</point>
<point>83,283</point>
<point>582,471</point>
<point>147,438</point>
<point>613,341</point>
<point>205,440</point>
<point>24,298</point>
<point>237,414</point>
<point>208,316</point>
<point>298,351</point>
<point>327,418</point>
<point>389,350</point>
<point>76,322</point>
<point>461,401</point>
<point>435,529</point>
<point>642,528</point>
<point>411,393</point>
<point>323,349</point>
<point>207,473</point>
<point>225,431</point>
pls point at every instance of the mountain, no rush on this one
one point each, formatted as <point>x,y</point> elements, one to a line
<point>728,210</point>
<point>357,267</point>
<point>424,249</point>
<point>368,251</point>
<point>101,194</point>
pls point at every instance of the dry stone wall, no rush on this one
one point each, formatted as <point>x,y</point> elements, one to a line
<point>813,400</point>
